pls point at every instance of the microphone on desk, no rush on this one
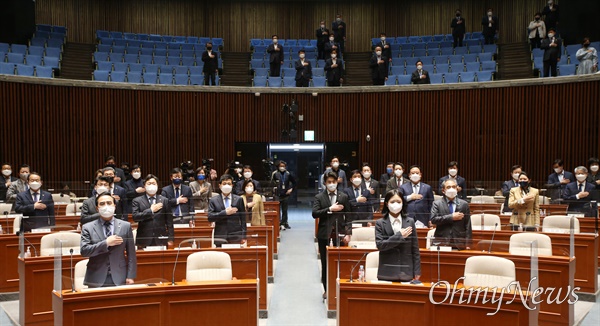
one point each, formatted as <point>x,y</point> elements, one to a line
<point>493,235</point>
<point>6,217</point>
<point>354,267</point>
<point>31,244</point>
<point>72,279</point>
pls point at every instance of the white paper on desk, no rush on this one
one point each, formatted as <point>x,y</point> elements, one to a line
<point>155,248</point>
<point>13,215</point>
<point>259,247</point>
<point>420,225</point>
<point>181,226</point>
<point>442,248</point>
<point>199,211</point>
<point>40,230</point>
<point>380,282</point>
<point>231,246</point>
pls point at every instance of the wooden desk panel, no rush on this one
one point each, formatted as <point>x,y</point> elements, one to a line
<point>554,271</point>
<point>182,304</point>
<point>271,219</point>
<point>37,275</point>
<point>389,304</point>
<point>9,252</point>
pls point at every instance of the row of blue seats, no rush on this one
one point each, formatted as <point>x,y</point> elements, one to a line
<point>161,79</point>
<point>158,38</point>
<point>287,56</point>
<point>411,61</point>
<point>148,59</point>
<point>563,69</point>
<point>573,48</point>
<point>288,49</point>
<point>156,69</point>
<point>426,38</point>
<point>264,63</point>
<point>564,60</point>
<point>287,72</point>
<point>49,35</point>
<point>437,52</point>
<point>283,42</point>
<point>30,60</point>
<point>475,46</point>
<point>47,43</point>
<point>187,50</point>
<point>444,78</point>
<point>24,70</point>
<point>153,44</point>
<point>24,49</point>
<point>50,28</point>
<point>444,67</point>
<point>261,81</point>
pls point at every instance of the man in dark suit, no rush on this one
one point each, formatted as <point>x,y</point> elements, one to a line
<point>88,208</point>
<point>385,177</point>
<point>247,173</point>
<point>452,218</point>
<point>118,192</point>
<point>581,194</point>
<point>490,26</point>
<point>180,198</point>
<point>515,172</point>
<point>119,174</point>
<point>285,183</point>
<point>105,241</point>
<point>358,196</point>
<point>334,70</point>
<point>461,183</point>
<point>322,35</point>
<point>303,70</point>
<point>154,217</point>
<point>339,31</point>
<point>559,180</point>
<point>420,76</point>
<point>211,64</point>
<point>134,187</point>
<point>331,207</point>
<point>551,15</point>
<point>372,187</point>
<point>228,213</point>
<point>385,46</point>
<point>18,186</point>
<point>276,53</point>
<point>379,67</point>
<point>418,197</point>
<point>35,204</point>
<point>552,46</point>
<point>331,46</point>
<point>458,28</point>
<point>7,180</point>
<point>398,178</point>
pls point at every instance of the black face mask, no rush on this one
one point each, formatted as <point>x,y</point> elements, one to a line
<point>524,184</point>
<point>457,15</point>
<point>209,48</point>
<point>537,18</point>
<point>585,45</point>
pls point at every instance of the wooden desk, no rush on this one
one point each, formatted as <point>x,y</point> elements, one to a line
<point>210,303</point>
<point>390,304</point>
<point>37,275</point>
<point>271,219</point>
<point>9,252</point>
<point>554,271</point>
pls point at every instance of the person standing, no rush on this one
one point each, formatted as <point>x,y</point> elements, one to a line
<point>559,179</point>
<point>35,204</point>
<point>322,35</point>
<point>581,195</point>
<point>490,26</point>
<point>461,183</point>
<point>358,196</point>
<point>247,174</point>
<point>385,46</point>
<point>372,187</point>
<point>515,171</point>
<point>385,177</point>
<point>201,189</point>
<point>452,218</point>
<point>551,15</point>
<point>276,53</point>
<point>180,198</point>
<point>285,183</point>
<point>253,204</point>
<point>588,58</point>
<point>303,70</point>
<point>18,186</point>
<point>89,212</point>
<point>211,65</point>
<point>594,175</point>
<point>154,218</point>
<point>552,46</point>
<point>418,197</point>
<point>339,31</point>
<point>335,167</point>
<point>525,203</point>
<point>458,28</point>
<point>420,76</point>
<point>331,46</point>
<point>228,213</point>
<point>334,68</point>
<point>7,180</point>
<point>379,67</point>
<point>537,31</point>
<point>108,242</point>
<point>398,180</point>
<point>134,187</point>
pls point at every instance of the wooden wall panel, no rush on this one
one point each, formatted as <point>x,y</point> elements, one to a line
<point>238,21</point>
<point>64,132</point>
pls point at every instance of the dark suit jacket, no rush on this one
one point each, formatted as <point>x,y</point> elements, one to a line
<point>551,17</point>
<point>383,179</point>
<point>338,32</point>
<point>359,211</point>
<point>239,187</point>
<point>153,225</point>
<point>373,198</point>
<point>551,53</point>
<point>3,188</point>
<point>303,72</point>
<point>93,245</point>
<point>282,187</point>
<point>210,64</point>
<point>453,233</point>
<point>485,23</point>
<point>130,187</point>
<point>229,227</point>
<point>121,204</point>
<point>385,52</point>
<point>393,183</point>
<point>35,218</point>
<point>416,79</point>
<point>275,56</point>
<point>554,183</point>
<point>89,212</point>
<point>419,209</point>
<point>582,205</point>
<point>187,209</point>
<point>379,71</point>
<point>327,219</point>
<point>506,187</point>
<point>461,183</point>
<point>322,39</point>
<point>328,47</point>
<point>399,258</point>
<point>334,74</point>
<point>458,29</point>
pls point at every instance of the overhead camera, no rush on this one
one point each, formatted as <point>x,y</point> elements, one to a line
<point>207,163</point>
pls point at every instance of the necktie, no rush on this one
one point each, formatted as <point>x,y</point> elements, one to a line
<point>107,229</point>
<point>227,202</point>
<point>399,183</point>
<point>35,197</point>
<point>581,187</point>
<point>416,189</point>
<point>152,200</point>
<point>332,198</point>
<point>177,211</point>
<point>451,207</point>
<point>356,192</point>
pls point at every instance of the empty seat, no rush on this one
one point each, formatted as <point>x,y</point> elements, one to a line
<point>520,244</point>
<point>259,81</point>
<point>567,70</point>
<point>470,57</point>
<point>455,59</point>
<point>411,62</point>
<point>274,82</point>
<point>289,81</point>
<point>117,76</point>
<point>560,224</point>
<point>134,77</point>
<point>196,79</point>
<point>450,78</point>
<point>159,60</point>
<point>208,266</point>
<point>398,62</point>
<point>372,266</point>
<point>181,79</point>
<point>484,76</point>
<point>151,69</point>
<point>485,222</point>
<point>18,48</point>
<point>467,77</point>
<point>15,57</point>
<point>288,72</point>
<point>187,61</point>
<point>7,68</point>
<point>4,47</point>
<point>391,81</point>
<point>488,65</point>
<point>256,63</point>
<point>195,70</point>
<point>404,79</point>
<point>406,53</point>
<point>33,60</point>
<point>436,78</point>
<point>482,199</point>
<point>180,70</point>
<point>473,66</point>
<point>35,50</point>
<point>485,57</point>
<point>318,81</point>
<point>318,71</point>
<point>489,271</point>
<point>489,48</point>
<point>52,62</point>
<point>442,68</point>
<point>104,65</point>
<point>24,70</point>
<point>54,43</point>
<point>396,70</point>
<point>100,75</point>
<point>446,51</point>
<point>122,66</point>
<point>420,53</point>
<point>68,241</point>
<point>363,237</point>
<point>165,78</point>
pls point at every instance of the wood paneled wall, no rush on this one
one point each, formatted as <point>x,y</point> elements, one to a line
<point>237,21</point>
<point>64,132</point>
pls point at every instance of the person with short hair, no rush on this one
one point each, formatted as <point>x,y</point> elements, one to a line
<point>134,187</point>
<point>525,203</point>
<point>458,28</point>
<point>559,179</point>
<point>7,180</point>
<point>284,183</point>
<point>119,175</point>
<point>35,204</point>
<point>227,211</point>
<point>490,26</point>
<point>334,70</point>
<point>338,26</point>
<point>461,183</point>
<point>418,197</point>
<point>537,31</point>
<point>18,186</point>
<point>515,171</point>
<point>247,173</point>
<point>385,177</point>
<point>398,180</point>
<point>552,46</point>
<point>276,55</point>
<point>253,204</point>
<point>551,14</point>
<point>335,167</point>
<point>358,196</point>
<point>210,58</point>
<point>201,189</point>
<point>322,35</point>
<point>180,198</point>
<point>420,76</point>
<point>88,207</point>
<point>303,70</point>
<point>154,218</point>
<point>581,195</point>
<point>451,216</point>
<point>379,67</point>
<point>594,175</point>
<point>384,44</point>
<point>372,186</point>
<point>331,46</point>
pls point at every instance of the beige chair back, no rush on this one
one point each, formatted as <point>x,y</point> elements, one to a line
<point>363,238</point>
<point>372,266</point>
<point>17,224</point>
<point>430,235</point>
<point>489,220</point>
<point>489,271</point>
<point>80,269</point>
<point>4,207</point>
<point>520,244</point>
<point>70,240</point>
<point>64,199</point>
<point>208,266</point>
<point>71,208</point>
<point>483,200</point>
<point>559,224</point>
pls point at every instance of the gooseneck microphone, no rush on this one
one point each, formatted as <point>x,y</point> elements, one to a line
<point>6,218</point>
<point>493,235</point>
<point>354,267</point>
<point>31,244</point>
<point>72,279</point>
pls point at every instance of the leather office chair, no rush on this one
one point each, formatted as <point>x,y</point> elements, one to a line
<point>80,269</point>
<point>489,220</point>
<point>483,200</point>
<point>372,266</point>
<point>5,208</point>
<point>64,199</point>
<point>363,238</point>
<point>489,271</point>
<point>70,240</point>
<point>559,224</point>
<point>520,244</point>
<point>71,209</point>
<point>208,266</point>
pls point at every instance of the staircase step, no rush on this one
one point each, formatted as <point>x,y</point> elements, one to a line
<point>76,61</point>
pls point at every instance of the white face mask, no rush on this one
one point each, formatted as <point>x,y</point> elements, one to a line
<point>136,175</point>
<point>24,176</point>
<point>357,181</point>
<point>581,177</point>
<point>551,35</point>
<point>331,39</point>
<point>107,210</point>
<point>383,38</point>
<point>101,189</point>
<point>594,168</point>
<point>282,169</point>
<point>515,176</point>
<point>415,177</point>
<point>322,26</point>
<point>301,55</point>
<point>151,189</point>
<point>335,165</point>
<point>489,13</point>
<point>275,40</point>
<point>395,208</point>
<point>367,175</point>
<point>226,189</point>
<point>35,185</point>
<point>247,175</point>
<point>333,55</point>
<point>249,190</point>
<point>331,186</point>
<point>419,67</point>
<point>398,173</point>
<point>6,173</point>
<point>451,193</point>
<point>378,52</point>
<point>558,170</point>
<point>453,172</point>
